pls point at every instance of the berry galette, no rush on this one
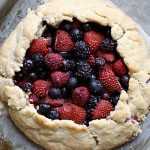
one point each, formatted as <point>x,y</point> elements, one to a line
<point>75,75</point>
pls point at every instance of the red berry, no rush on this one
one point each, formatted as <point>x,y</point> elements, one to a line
<point>39,46</point>
<point>41,88</point>
<point>102,110</point>
<point>120,68</point>
<point>109,80</point>
<point>76,23</point>
<point>80,96</point>
<point>53,61</point>
<point>72,112</point>
<point>54,102</point>
<point>59,79</point>
<point>93,40</point>
<point>109,57</point>
<point>33,99</point>
<point>91,60</point>
<point>63,42</point>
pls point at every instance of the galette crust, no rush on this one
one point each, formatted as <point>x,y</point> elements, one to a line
<point>64,134</point>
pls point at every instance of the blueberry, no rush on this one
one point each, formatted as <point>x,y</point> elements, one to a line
<point>27,87</point>
<point>100,62</point>
<point>55,93</point>
<point>19,76</point>
<point>28,64</point>
<point>65,93</point>
<point>115,100</point>
<point>105,96</point>
<point>86,27</point>
<point>44,109</point>
<point>32,76</point>
<point>69,65</point>
<point>65,55</point>
<point>76,34</point>
<point>66,25</point>
<point>73,83</point>
<point>53,114</point>
<point>38,60</point>
<point>125,81</point>
<point>43,74</point>
<point>95,86</point>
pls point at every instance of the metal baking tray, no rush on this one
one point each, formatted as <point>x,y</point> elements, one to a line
<point>11,12</point>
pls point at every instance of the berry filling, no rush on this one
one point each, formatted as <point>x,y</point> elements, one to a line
<point>73,72</point>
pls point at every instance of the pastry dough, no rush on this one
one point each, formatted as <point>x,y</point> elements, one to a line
<point>102,134</point>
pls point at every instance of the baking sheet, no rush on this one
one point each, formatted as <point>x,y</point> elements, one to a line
<point>8,130</point>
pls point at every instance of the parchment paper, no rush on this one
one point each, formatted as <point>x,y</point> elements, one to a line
<point>8,130</point>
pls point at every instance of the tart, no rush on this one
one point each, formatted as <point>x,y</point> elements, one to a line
<point>75,75</point>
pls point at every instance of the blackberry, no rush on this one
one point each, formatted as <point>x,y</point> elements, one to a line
<point>86,27</point>
<point>73,83</point>
<point>81,50</point>
<point>66,26</point>
<point>76,34</point>
<point>108,45</point>
<point>55,93</point>
<point>44,109</point>
<point>95,86</point>
<point>69,65</point>
<point>84,70</point>
<point>53,114</point>
<point>100,62</point>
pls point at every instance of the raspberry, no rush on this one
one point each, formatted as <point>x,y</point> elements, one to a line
<point>120,68</point>
<point>102,110</point>
<point>91,60</point>
<point>80,96</point>
<point>63,41</point>
<point>72,112</point>
<point>93,40</point>
<point>41,88</point>
<point>53,61</point>
<point>109,57</point>
<point>39,46</point>
<point>54,102</point>
<point>33,99</point>
<point>59,79</point>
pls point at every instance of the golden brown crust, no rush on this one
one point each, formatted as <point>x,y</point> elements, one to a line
<point>66,135</point>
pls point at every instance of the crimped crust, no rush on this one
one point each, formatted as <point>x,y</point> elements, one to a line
<point>66,135</point>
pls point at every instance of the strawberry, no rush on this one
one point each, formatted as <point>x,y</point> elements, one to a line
<point>54,102</point>
<point>91,60</point>
<point>76,23</point>
<point>59,79</point>
<point>33,99</point>
<point>93,40</point>
<point>109,80</point>
<point>102,110</point>
<point>39,46</point>
<point>53,61</point>
<point>120,68</point>
<point>63,42</point>
<point>41,88</point>
<point>109,57</point>
<point>72,112</point>
<point>80,96</point>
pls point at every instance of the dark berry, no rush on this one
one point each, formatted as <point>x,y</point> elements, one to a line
<point>44,109</point>
<point>95,86</point>
<point>28,64</point>
<point>27,87</point>
<point>66,55</point>
<point>38,60</point>
<point>107,33</point>
<point>72,84</point>
<point>66,25</point>
<point>86,27</point>
<point>55,93</point>
<point>19,76</point>
<point>65,93</point>
<point>76,34</point>
<point>93,76</point>
<point>100,62</point>
<point>108,45</point>
<point>81,50</point>
<point>53,114</point>
<point>105,96</point>
<point>72,74</point>
<point>115,100</point>
<point>32,76</point>
<point>69,65</point>
<point>125,81</point>
<point>43,74</point>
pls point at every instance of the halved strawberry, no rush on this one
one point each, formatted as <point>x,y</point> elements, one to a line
<point>72,112</point>
<point>102,109</point>
<point>63,41</point>
<point>109,80</point>
<point>39,46</point>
